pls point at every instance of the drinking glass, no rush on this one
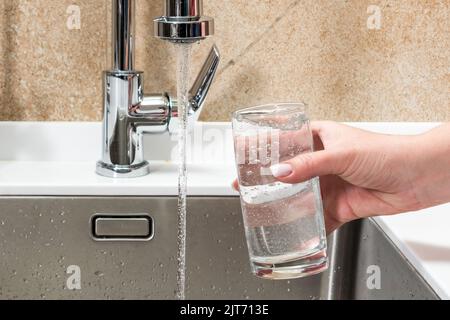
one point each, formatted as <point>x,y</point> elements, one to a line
<point>284,223</point>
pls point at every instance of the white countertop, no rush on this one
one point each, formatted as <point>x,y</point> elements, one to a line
<point>58,159</point>
<point>79,179</point>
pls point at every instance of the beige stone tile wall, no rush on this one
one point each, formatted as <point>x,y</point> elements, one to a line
<point>318,51</point>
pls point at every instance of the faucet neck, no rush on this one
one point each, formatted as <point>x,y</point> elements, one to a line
<point>123,35</point>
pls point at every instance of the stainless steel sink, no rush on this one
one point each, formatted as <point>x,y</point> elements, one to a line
<point>47,249</point>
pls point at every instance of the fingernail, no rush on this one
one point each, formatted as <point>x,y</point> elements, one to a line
<point>281,170</point>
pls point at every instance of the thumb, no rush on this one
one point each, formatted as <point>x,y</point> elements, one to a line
<point>309,165</point>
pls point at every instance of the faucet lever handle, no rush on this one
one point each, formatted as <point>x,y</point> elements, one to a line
<point>198,92</point>
<point>200,88</point>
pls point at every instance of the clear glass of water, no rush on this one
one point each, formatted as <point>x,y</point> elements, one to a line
<point>284,223</point>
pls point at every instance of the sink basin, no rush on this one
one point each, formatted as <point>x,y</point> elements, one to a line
<point>44,239</point>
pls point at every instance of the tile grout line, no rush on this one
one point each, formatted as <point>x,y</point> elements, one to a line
<point>278,19</point>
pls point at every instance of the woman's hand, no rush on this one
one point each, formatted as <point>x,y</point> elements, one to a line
<point>365,174</point>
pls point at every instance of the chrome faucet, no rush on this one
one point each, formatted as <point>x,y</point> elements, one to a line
<point>128,112</point>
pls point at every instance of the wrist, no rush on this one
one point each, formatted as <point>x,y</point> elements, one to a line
<point>430,156</point>
<point>409,163</point>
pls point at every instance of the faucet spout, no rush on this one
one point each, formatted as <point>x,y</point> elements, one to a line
<point>183,21</point>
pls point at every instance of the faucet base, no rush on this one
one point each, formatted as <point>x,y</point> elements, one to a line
<point>116,171</point>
